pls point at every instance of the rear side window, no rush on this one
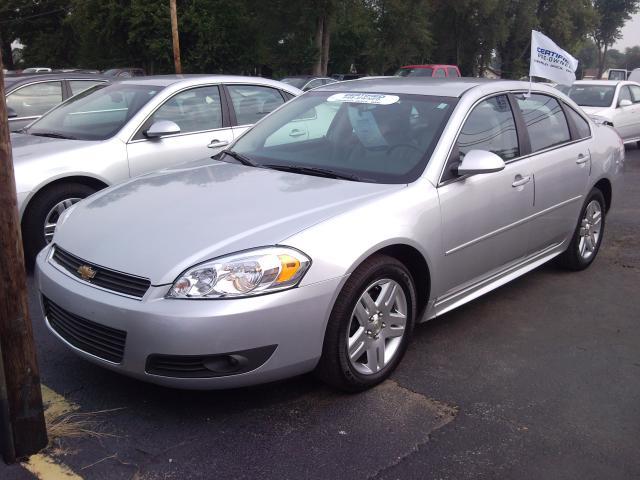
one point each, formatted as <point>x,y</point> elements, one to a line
<point>79,86</point>
<point>452,72</point>
<point>252,102</point>
<point>34,100</point>
<point>582,126</point>
<point>491,127</point>
<point>545,121</point>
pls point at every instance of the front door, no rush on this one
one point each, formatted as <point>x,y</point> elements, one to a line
<point>483,216</point>
<point>198,113</point>
<point>627,118</point>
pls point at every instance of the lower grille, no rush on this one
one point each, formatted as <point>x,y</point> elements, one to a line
<point>208,366</point>
<point>91,337</point>
<point>102,277</point>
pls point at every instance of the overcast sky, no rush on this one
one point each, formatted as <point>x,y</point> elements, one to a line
<point>630,34</point>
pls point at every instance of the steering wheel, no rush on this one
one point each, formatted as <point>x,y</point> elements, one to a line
<point>390,149</point>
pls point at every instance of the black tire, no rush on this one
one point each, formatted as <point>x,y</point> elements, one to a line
<point>571,258</point>
<point>37,210</point>
<point>334,367</point>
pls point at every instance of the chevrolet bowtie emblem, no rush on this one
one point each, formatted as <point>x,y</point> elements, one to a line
<point>86,272</point>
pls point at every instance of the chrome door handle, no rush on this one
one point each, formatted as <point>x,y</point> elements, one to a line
<point>215,143</point>
<point>582,158</point>
<point>520,181</point>
<point>296,133</point>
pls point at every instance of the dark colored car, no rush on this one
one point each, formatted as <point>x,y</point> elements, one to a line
<point>307,82</point>
<point>125,72</point>
<point>430,70</point>
<point>30,96</point>
<point>346,76</point>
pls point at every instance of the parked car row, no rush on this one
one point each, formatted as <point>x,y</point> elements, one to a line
<point>314,241</point>
<point>610,102</point>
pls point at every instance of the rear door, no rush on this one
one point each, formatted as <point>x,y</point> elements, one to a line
<point>561,163</point>
<point>249,103</point>
<point>483,215</point>
<point>204,130</point>
<point>634,131</point>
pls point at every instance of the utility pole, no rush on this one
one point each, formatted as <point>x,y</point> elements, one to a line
<point>22,427</point>
<point>174,35</point>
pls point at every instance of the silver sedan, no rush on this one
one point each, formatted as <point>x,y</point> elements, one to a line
<point>107,135</point>
<point>324,234</point>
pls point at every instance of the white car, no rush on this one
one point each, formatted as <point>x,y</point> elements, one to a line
<point>610,102</point>
<point>105,136</point>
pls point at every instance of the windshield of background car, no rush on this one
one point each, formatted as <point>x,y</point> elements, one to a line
<point>95,115</point>
<point>415,72</point>
<point>295,82</point>
<point>380,138</point>
<point>592,95</point>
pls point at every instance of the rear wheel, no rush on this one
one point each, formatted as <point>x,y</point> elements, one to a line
<point>44,211</point>
<point>587,236</point>
<point>370,325</point>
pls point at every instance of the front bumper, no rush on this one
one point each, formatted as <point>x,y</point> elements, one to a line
<point>294,321</point>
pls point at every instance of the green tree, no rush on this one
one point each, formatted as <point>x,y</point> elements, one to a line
<point>611,17</point>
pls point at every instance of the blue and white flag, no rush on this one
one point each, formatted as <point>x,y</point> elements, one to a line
<point>550,61</point>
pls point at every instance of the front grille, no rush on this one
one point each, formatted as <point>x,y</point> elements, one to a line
<point>104,277</point>
<point>91,337</point>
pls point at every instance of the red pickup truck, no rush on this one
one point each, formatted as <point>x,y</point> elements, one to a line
<point>432,70</point>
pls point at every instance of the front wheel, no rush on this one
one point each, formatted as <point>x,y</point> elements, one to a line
<point>370,325</point>
<point>44,211</point>
<point>587,236</point>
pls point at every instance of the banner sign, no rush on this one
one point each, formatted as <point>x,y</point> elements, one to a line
<point>550,61</point>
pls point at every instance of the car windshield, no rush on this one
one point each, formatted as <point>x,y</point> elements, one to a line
<point>414,72</point>
<point>592,95</point>
<point>95,115</point>
<point>367,137</point>
<point>295,81</point>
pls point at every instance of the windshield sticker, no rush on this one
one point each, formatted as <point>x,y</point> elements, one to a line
<point>373,98</point>
<point>365,127</point>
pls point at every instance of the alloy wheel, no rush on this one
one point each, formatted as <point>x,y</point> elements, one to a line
<point>377,326</point>
<point>52,218</point>
<point>590,228</point>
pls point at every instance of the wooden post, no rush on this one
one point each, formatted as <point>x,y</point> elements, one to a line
<point>22,427</point>
<point>174,35</point>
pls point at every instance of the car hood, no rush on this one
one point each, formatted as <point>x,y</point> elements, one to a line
<point>160,224</point>
<point>600,111</point>
<point>26,147</point>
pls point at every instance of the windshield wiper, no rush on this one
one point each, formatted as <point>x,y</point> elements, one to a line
<point>240,158</point>
<point>52,135</point>
<point>317,171</point>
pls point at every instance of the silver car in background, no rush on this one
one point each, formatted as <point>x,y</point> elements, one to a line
<point>402,199</point>
<point>612,103</point>
<point>105,136</point>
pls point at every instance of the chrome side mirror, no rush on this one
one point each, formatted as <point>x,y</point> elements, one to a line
<point>161,128</point>
<point>480,161</point>
<point>11,113</point>
<point>625,102</point>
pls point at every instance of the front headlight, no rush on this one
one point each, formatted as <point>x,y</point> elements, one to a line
<point>243,274</point>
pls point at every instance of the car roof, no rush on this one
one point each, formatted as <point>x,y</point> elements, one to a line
<point>598,82</point>
<point>18,79</point>
<point>430,65</point>
<point>195,79</point>
<point>441,87</point>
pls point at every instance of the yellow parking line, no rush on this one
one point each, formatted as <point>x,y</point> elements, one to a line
<point>43,466</point>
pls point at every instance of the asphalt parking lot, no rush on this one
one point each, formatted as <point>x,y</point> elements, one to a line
<point>539,379</point>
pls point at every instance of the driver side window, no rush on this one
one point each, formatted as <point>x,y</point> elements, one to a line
<point>491,127</point>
